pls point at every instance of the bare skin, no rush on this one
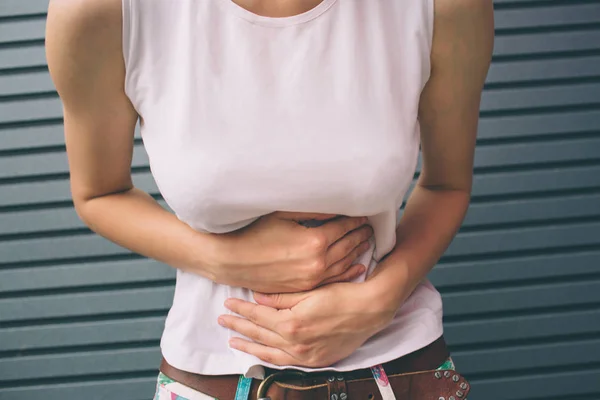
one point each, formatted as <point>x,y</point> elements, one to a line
<point>83,44</point>
<point>277,8</point>
<point>320,327</point>
<point>323,323</point>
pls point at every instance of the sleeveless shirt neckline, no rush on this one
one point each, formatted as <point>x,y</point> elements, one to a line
<point>306,16</point>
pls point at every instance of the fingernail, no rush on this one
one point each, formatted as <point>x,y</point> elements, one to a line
<point>227,303</point>
<point>221,321</point>
<point>232,343</point>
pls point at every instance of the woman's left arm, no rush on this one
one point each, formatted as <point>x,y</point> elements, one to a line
<point>448,115</point>
<point>320,327</point>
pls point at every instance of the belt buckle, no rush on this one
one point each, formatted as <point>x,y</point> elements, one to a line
<point>266,383</point>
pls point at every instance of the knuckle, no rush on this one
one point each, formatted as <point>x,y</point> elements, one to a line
<point>346,225</point>
<point>233,324</point>
<point>301,349</point>
<point>291,329</point>
<point>253,315</point>
<point>277,298</point>
<point>337,270</point>
<point>316,268</point>
<point>307,284</point>
<point>356,240</point>
<point>314,362</point>
<point>268,357</point>
<point>346,262</point>
<point>241,345</point>
<point>345,278</point>
<point>317,242</point>
<point>257,335</point>
<point>355,222</point>
<point>346,274</point>
<point>357,251</point>
<point>346,244</point>
<point>314,241</point>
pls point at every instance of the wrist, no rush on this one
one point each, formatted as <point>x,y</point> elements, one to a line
<point>388,288</point>
<point>207,255</point>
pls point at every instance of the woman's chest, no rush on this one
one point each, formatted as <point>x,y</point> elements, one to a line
<point>224,161</point>
<point>236,130</point>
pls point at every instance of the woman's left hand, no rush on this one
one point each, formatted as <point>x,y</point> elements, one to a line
<point>309,329</point>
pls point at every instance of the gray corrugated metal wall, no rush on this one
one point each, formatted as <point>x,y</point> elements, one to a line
<point>521,281</point>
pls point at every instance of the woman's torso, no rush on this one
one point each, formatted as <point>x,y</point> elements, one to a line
<point>243,115</point>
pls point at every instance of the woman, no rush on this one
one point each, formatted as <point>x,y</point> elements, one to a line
<point>284,136</point>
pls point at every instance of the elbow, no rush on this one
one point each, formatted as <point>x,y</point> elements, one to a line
<point>86,201</point>
<point>81,207</point>
<point>91,207</point>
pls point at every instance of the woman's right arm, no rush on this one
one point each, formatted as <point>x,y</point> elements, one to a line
<point>275,254</point>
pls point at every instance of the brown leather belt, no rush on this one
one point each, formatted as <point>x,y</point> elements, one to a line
<point>412,376</point>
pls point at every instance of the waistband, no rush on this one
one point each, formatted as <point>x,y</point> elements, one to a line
<point>416,371</point>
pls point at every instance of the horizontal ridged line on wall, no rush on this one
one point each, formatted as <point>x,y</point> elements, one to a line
<point>520,282</point>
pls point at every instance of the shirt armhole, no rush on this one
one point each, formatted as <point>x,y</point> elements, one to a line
<point>426,39</point>
<point>126,37</point>
<point>429,24</point>
<point>430,16</point>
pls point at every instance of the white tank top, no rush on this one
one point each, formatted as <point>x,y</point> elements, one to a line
<point>243,115</point>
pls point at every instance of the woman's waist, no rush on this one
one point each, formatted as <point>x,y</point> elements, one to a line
<point>199,301</point>
<point>429,356</point>
<point>196,342</point>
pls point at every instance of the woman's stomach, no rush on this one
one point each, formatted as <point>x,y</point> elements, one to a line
<point>193,340</point>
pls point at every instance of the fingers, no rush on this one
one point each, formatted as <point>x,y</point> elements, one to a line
<point>302,216</point>
<point>341,266</point>
<point>253,331</point>
<point>335,230</point>
<point>349,275</point>
<point>280,300</point>
<point>349,245</point>
<point>263,316</point>
<point>265,353</point>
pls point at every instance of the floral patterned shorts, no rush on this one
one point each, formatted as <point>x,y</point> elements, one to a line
<point>168,389</point>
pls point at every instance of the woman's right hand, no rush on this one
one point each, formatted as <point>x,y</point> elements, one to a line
<point>276,254</point>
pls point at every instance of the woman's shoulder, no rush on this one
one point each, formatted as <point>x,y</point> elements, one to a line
<point>84,43</point>
<point>87,28</point>
<point>463,26</point>
<point>84,51</point>
<point>86,17</point>
<point>457,9</point>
